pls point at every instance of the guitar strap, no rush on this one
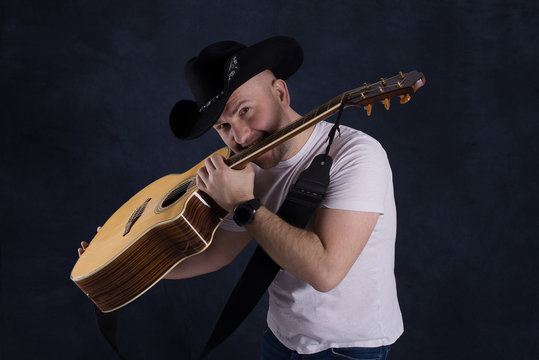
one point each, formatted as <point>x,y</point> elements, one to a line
<point>107,324</point>
<point>298,207</point>
<point>300,203</point>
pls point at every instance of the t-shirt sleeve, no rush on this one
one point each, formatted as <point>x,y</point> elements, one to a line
<point>230,225</point>
<point>359,178</point>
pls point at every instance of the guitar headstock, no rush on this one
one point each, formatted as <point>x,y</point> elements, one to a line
<point>400,85</point>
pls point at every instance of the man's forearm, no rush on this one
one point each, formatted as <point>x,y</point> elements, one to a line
<point>298,251</point>
<point>225,246</point>
<point>194,266</point>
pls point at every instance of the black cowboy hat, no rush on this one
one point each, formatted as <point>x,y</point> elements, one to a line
<point>221,68</point>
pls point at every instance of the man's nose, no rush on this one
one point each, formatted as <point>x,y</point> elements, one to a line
<point>242,134</point>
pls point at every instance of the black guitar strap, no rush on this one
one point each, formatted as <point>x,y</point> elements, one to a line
<point>298,207</point>
<point>107,324</point>
<point>300,203</point>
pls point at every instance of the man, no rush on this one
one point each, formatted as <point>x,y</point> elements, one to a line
<point>335,295</point>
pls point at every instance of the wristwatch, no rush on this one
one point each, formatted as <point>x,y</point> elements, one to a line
<point>244,213</point>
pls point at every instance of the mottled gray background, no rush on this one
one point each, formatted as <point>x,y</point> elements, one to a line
<point>86,88</point>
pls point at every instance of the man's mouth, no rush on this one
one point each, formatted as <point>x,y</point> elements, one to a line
<point>254,143</point>
<point>258,141</point>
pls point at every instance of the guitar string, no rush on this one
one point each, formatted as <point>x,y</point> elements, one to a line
<point>314,113</point>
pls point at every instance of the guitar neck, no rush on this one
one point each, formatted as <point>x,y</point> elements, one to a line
<point>381,91</point>
<point>239,160</point>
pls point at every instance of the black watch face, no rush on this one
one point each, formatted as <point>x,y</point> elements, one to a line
<point>243,214</point>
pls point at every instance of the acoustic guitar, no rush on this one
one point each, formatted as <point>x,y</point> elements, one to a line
<point>171,220</point>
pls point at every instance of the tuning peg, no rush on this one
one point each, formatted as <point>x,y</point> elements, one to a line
<point>386,103</point>
<point>405,98</point>
<point>368,109</point>
<point>401,75</point>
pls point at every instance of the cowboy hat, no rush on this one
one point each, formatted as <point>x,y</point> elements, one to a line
<point>221,68</point>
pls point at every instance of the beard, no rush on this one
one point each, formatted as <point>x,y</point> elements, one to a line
<point>272,157</point>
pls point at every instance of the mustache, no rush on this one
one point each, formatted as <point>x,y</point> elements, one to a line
<point>255,142</point>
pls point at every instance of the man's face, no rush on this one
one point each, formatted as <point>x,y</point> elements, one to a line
<point>252,112</point>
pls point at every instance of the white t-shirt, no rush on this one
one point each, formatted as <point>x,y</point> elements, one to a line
<point>363,310</point>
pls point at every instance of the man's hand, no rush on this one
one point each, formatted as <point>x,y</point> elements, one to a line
<point>226,186</point>
<point>84,244</point>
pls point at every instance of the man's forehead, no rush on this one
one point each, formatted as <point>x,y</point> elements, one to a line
<point>259,81</point>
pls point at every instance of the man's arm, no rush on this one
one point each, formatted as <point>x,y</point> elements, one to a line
<point>225,246</point>
<point>322,257</point>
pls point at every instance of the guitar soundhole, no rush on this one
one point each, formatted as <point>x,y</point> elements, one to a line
<point>175,194</point>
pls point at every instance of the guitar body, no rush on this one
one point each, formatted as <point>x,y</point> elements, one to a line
<point>163,224</point>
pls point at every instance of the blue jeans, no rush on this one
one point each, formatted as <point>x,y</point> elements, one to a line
<point>272,349</point>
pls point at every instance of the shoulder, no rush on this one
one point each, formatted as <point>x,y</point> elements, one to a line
<point>354,147</point>
<point>349,136</point>
<point>360,174</point>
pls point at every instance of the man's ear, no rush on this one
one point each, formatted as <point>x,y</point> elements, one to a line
<point>281,91</point>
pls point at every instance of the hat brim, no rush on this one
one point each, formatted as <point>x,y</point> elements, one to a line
<point>187,123</point>
<point>280,54</point>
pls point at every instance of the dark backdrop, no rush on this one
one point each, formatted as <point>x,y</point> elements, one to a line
<point>86,89</point>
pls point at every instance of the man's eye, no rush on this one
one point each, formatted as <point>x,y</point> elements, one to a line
<point>221,126</point>
<point>244,110</point>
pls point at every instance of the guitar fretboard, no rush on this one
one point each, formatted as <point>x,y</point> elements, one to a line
<point>399,85</point>
<point>322,112</point>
